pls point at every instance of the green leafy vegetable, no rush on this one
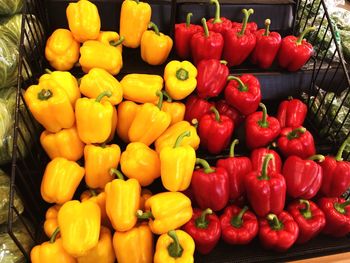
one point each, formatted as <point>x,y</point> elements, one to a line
<point>10,7</point>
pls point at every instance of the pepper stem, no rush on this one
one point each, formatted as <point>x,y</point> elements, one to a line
<point>263,122</point>
<point>182,74</point>
<point>154,27</point>
<point>307,30</point>
<point>45,94</point>
<point>264,176</point>
<point>217,114</point>
<point>232,147</point>
<point>267,27</point>
<point>338,157</point>
<point>137,1</point>
<point>168,97</point>
<point>206,167</point>
<point>195,123</point>
<point>92,192</point>
<point>241,86</point>
<point>188,19</point>
<point>294,134</point>
<point>306,212</point>
<point>205,27</point>
<point>160,101</point>
<point>274,222</point>
<point>106,93</point>
<point>317,157</point>
<point>144,215</point>
<point>237,221</point>
<point>202,222</point>
<point>117,173</point>
<point>48,71</point>
<point>340,207</point>
<point>223,62</point>
<point>217,18</point>
<point>54,235</point>
<point>246,14</point>
<point>175,250</point>
<point>181,137</point>
<point>117,43</point>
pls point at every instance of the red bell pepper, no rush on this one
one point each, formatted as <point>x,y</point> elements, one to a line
<point>206,45</point>
<point>336,174</point>
<point>257,157</point>
<point>218,24</point>
<point>211,78</point>
<point>278,232</point>
<point>310,219</point>
<point>295,52</point>
<point>243,93</point>
<point>210,186</point>
<point>303,177</point>
<point>196,108</point>
<point>215,131</point>
<point>183,35</point>
<point>261,129</point>
<point>266,192</point>
<point>296,141</point>
<point>267,46</point>
<point>205,229</point>
<point>237,168</point>
<point>238,226</point>
<point>337,212</point>
<point>291,113</point>
<point>251,26</point>
<point>239,43</point>
<point>225,109</point>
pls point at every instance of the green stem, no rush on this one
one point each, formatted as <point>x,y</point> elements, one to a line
<point>223,62</point>
<point>263,122</point>
<point>160,101</point>
<point>45,94</point>
<point>92,192</point>
<point>205,27</point>
<point>295,133</point>
<point>181,137</point>
<point>267,27</point>
<point>246,14</point>
<point>175,250</point>
<point>237,221</point>
<point>154,27</point>
<point>195,123</point>
<point>117,173</point>
<point>232,147</point>
<point>117,43</point>
<point>206,167</point>
<point>264,176</point>
<point>168,97</point>
<point>306,212</point>
<point>48,71</point>
<point>202,222</point>
<point>274,222</point>
<point>242,87</point>
<point>182,74</point>
<point>317,157</point>
<point>340,207</point>
<point>188,19</point>
<point>106,93</point>
<point>144,215</point>
<point>217,18</point>
<point>217,114</point>
<point>307,30</point>
<point>137,1</point>
<point>338,157</point>
<point>54,235</point>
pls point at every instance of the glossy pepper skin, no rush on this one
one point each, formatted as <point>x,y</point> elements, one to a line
<point>239,226</point>
<point>212,77</point>
<point>175,246</point>
<point>243,93</point>
<point>180,79</point>
<point>237,168</point>
<point>155,46</point>
<point>99,80</point>
<point>175,109</point>
<point>134,18</point>
<point>134,245</point>
<point>239,42</point>
<point>79,224</point>
<point>50,105</point>
<point>267,46</point>
<point>65,143</point>
<point>296,141</point>
<point>183,34</point>
<point>261,129</point>
<point>310,219</point>
<point>166,211</point>
<point>266,192</point>
<point>337,213</point>
<point>51,223</point>
<point>140,162</point>
<point>122,202</point>
<point>210,186</point>
<point>206,44</point>
<point>257,157</point>
<point>218,24</point>
<point>204,228</point>
<point>99,160</point>
<point>103,251</point>
<point>61,179</point>
<point>111,38</point>
<point>145,195</point>
<point>251,26</point>
<point>295,52</point>
<point>291,113</point>
<point>126,114</point>
<point>336,174</point>
<point>231,112</point>
<point>62,50</point>
<point>196,108</point>
<point>94,118</point>
<point>141,88</point>
<point>278,232</point>
<point>215,131</point>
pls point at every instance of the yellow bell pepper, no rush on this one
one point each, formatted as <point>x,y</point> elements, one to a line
<point>122,202</point>
<point>174,247</point>
<point>103,252</point>
<point>140,162</point>
<point>149,123</point>
<point>155,46</point>
<point>145,195</point>
<point>134,245</point>
<point>111,38</point>
<point>94,54</point>
<point>134,18</point>
<point>79,224</point>
<point>94,118</point>
<point>50,105</point>
<point>99,160</point>
<point>83,20</point>
<point>177,164</point>
<point>51,251</point>
<point>61,179</point>
<point>99,80</point>
<point>66,81</point>
<point>166,211</point>
<point>141,88</point>
<point>62,50</point>
<point>126,114</point>
<point>180,79</point>
<point>65,143</point>
<point>175,109</point>
<point>114,124</point>
<point>51,223</point>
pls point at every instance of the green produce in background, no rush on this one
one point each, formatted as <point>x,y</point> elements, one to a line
<point>10,7</point>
